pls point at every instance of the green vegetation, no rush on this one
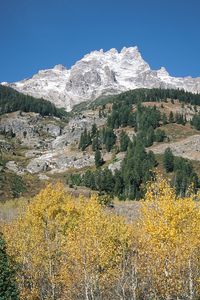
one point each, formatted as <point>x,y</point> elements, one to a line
<point>138,166</point>
<point>98,159</point>
<point>125,113</point>
<point>8,287</point>
<point>146,95</point>
<point>17,185</point>
<point>168,160</point>
<point>85,140</point>
<point>124,141</point>
<point>97,138</point>
<point>184,176</point>
<point>196,121</point>
<point>11,100</point>
<point>126,183</point>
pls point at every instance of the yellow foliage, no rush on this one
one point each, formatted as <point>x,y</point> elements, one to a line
<point>66,246</point>
<point>69,248</point>
<point>169,230</point>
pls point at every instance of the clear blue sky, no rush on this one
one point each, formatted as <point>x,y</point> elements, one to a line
<point>37,34</point>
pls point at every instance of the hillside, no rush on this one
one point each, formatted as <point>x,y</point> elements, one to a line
<point>66,182</point>
<point>109,146</point>
<point>11,100</point>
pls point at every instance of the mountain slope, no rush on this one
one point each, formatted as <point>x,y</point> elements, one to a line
<point>11,100</point>
<point>100,73</point>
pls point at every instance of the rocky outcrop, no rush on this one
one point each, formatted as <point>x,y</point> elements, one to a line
<point>45,144</point>
<point>59,161</point>
<point>30,129</point>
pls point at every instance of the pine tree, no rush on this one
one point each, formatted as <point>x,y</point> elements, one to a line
<point>171,117</point>
<point>149,137</point>
<point>85,140</point>
<point>109,139</point>
<point>168,160</point>
<point>98,158</point>
<point>93,130</point>
<point>95,144</point>
<point>124,141</point>
<point>164,119</point>
<point>159,135</point>
<point>8,287</point>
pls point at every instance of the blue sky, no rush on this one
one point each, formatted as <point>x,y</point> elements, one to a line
<point>37,34</point>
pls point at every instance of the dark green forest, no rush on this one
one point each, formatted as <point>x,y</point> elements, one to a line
<point>11,100</point>
<point>145,95</point>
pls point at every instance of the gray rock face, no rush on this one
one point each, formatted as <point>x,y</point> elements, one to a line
<point>100,73</point>
<point>52,129</point>
<point>72,131</point>
<point>48,148</point>
<point>59,161</point>
<point>29,129</point>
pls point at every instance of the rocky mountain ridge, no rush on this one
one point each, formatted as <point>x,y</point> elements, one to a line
<point>97,74</point>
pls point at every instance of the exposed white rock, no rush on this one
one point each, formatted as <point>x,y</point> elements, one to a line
<point>59,161</point>
<point>100,73</point>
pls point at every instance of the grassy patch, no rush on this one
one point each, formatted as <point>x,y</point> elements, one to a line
<point>176,132</point>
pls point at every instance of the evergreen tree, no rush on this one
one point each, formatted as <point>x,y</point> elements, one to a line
<point>11,100</point>
<point>164,119</point>
<point>159,135</point>
<point>179,119</point>
<point>119,185</point>
<point>149,137</point>
<point>124,141</point>
<point>89,180</point>
<point>96,144</point>
<point>109,138</point>
<point>98,158</point>
<point>85,140</point>
<point>184,176</point>
<point>136,169</point>
<point>168,160</point>
<point>108,181</point>
<point>171,117</point>
<point>93,130</point>
<point>196,121</point>
<point>8,287</point>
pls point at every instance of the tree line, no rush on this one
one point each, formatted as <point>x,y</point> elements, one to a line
<point>11,100</point>
<point>153,95</point>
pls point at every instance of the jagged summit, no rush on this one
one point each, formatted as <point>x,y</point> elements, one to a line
<point>100,73</point>
<point>59,67</point>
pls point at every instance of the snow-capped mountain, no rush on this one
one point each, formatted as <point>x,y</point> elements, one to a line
<point>100,73</point>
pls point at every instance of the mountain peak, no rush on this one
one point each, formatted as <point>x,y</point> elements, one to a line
<point>59,67</point>
<point>98,74</point>
<point>162,72</point>
<point>130,49</point>
<point>112,51</point>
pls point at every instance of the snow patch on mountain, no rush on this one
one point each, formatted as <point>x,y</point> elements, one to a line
<point>100,73</point>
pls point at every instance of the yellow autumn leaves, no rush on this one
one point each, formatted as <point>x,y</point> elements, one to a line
<point>170,228</point>
<point>75,249</point>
